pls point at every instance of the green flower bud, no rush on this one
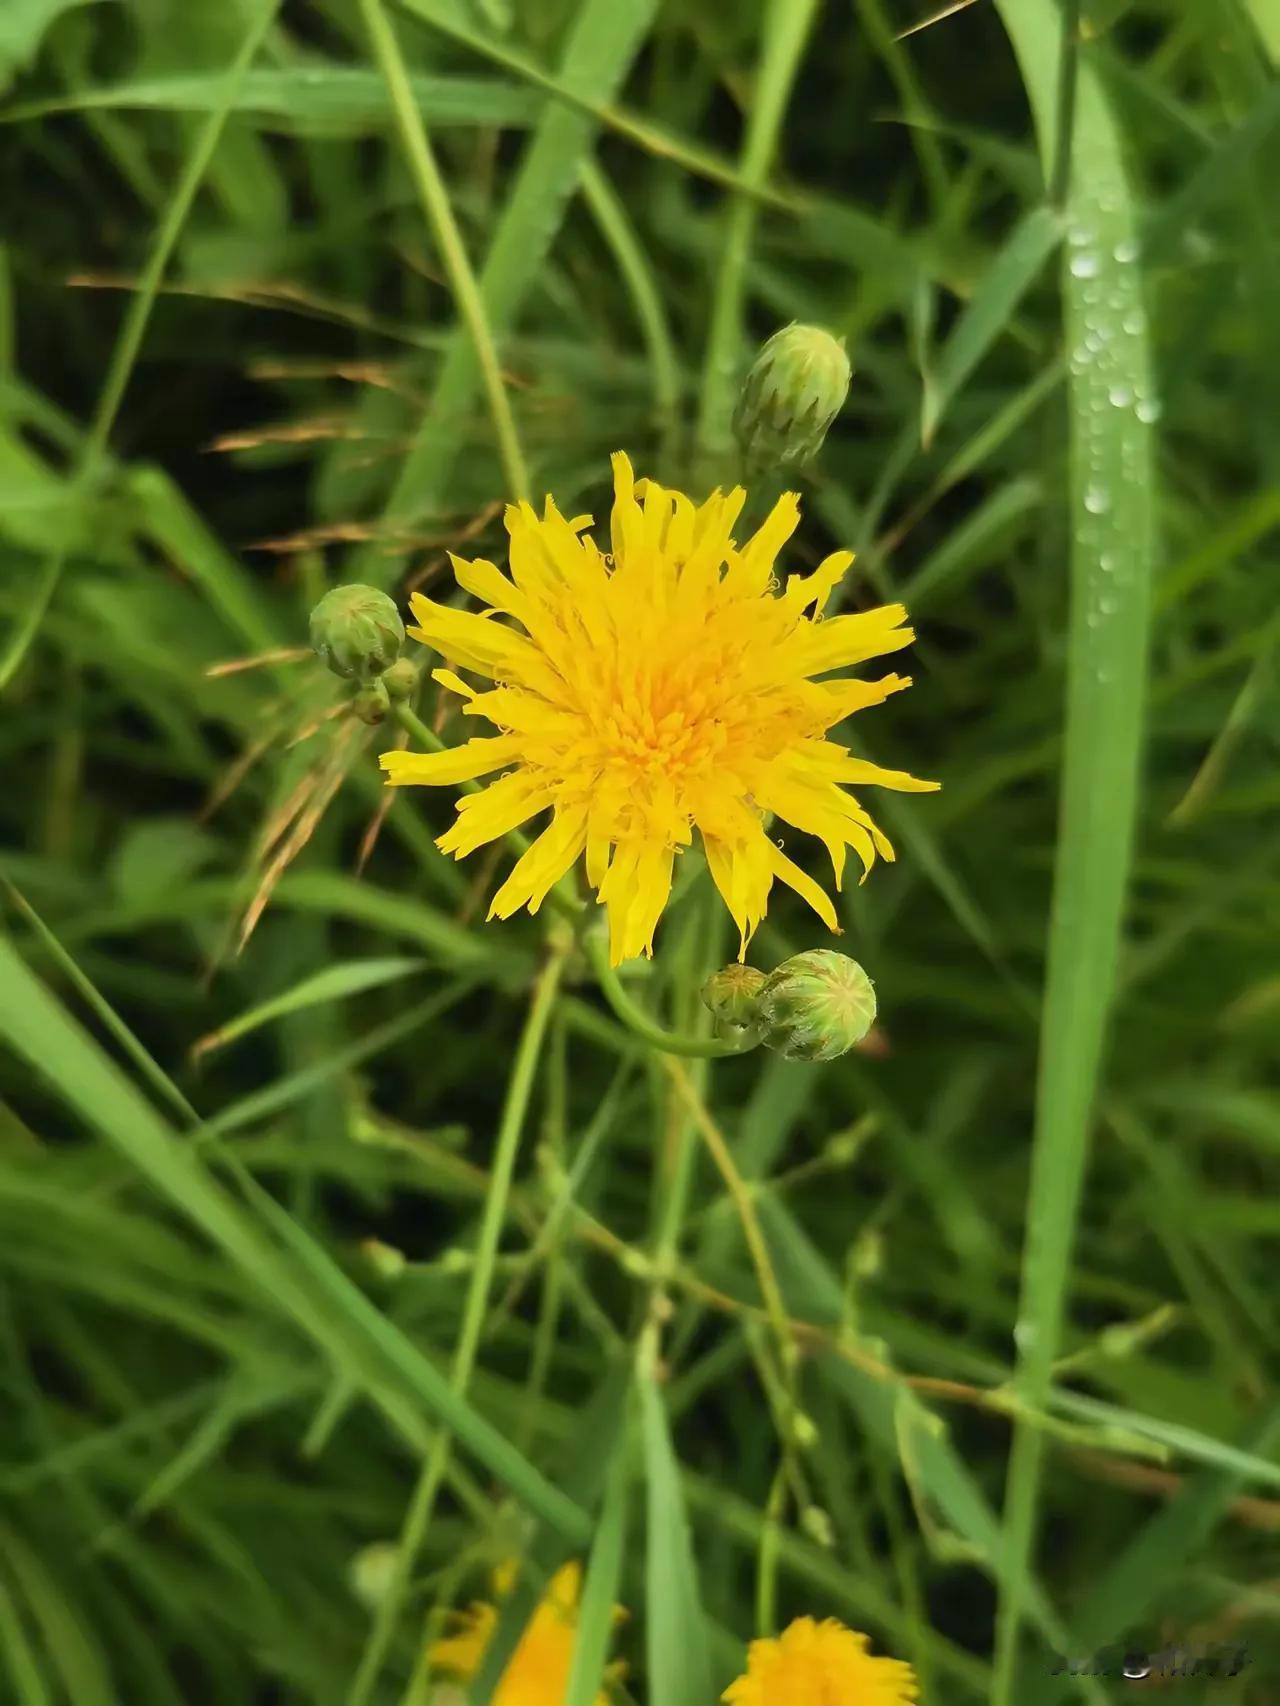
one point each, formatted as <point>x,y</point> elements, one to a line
<point>792,394</point>
<point>371,702</point>
<point>817,1525</point>
<point>385,1260</point>
<point>731,994</point>
<point>816,1006</point>
<point>372,1570</point>
<point>401,679</point>
<point>357,631</point>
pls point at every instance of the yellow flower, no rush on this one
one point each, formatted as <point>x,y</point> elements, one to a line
<point>820,1664</point>
<point>538,1674</point>
<point>670,687</point>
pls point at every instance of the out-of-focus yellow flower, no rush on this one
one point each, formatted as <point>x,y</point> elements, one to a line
<point>538,1674</point>
<point>820,1664</point>
<point>669,687</point>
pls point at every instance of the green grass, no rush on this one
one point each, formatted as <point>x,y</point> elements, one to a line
<point>392,1247</point>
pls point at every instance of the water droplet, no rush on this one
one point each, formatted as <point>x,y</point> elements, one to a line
<point>1079,235</point>
<point>1126,251</point>
<point>1107,562</point>
<point>1133,321</point>
<point>1120,396</point>
<point>1085,265</point>
<point>1148,410</point>
<point>1097,500</point>
<point>1025,1335</point>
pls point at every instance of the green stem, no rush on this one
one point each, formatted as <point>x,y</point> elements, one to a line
<point>635,1018</point>
<point>610,215</point>
<point>422,1504</point>
<point>435,203</point>
<point>133,330</point>
<point>786,27</point>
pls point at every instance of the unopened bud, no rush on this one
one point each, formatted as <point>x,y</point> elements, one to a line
<point>371,702</point>
<point>386,1261</point>
<point>817,1525</point>
<point>816,1006</point>
<point>794,391</point>
<point>372,1571</point>
<point>732,995</point>
<point>357,631</point>
<point>804,1431</point>
<point>401,680</point>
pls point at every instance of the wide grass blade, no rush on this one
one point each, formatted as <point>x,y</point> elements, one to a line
<point>600,1590</point>
<point>326,100</point>
<point>679,1665</point>
<point>1111,514</point>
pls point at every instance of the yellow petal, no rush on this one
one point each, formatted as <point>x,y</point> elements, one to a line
<point>815,589</point>
<point>454,683</point>
<point>743,874</point>
<point>804,885</point>
<point>542,864</point>
<point>840,699</point>
<point>860,770</point>
<point>455,764</point>
<point>503,806</point>
<point>759,553</point>
<point>650,891</point>
<point>852,639</point>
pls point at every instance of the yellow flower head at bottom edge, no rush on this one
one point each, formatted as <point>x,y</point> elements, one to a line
<point>538,1672</point>
<point>820,1664</point>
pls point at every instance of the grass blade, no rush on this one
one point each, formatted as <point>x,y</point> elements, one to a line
<point>600,1590</point>
<point>334,983</point>
<point>786,28</point>
<point>676,1638</point>
<point>434,195</point>
<point>601,46</point>
<point>134,328</point>
<point>1112,544</point>
<point>325,1304</point>
<point>324,99</point>
<point>1010,275</point>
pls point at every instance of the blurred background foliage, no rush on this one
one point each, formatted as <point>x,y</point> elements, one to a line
<point>204,1421</point>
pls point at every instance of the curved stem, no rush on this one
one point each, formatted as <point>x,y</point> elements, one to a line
<point>422,1503</point>
<point>635,1018</point>
<point>421,161</point>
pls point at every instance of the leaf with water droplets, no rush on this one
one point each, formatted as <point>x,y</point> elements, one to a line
<point>1110,508</point>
